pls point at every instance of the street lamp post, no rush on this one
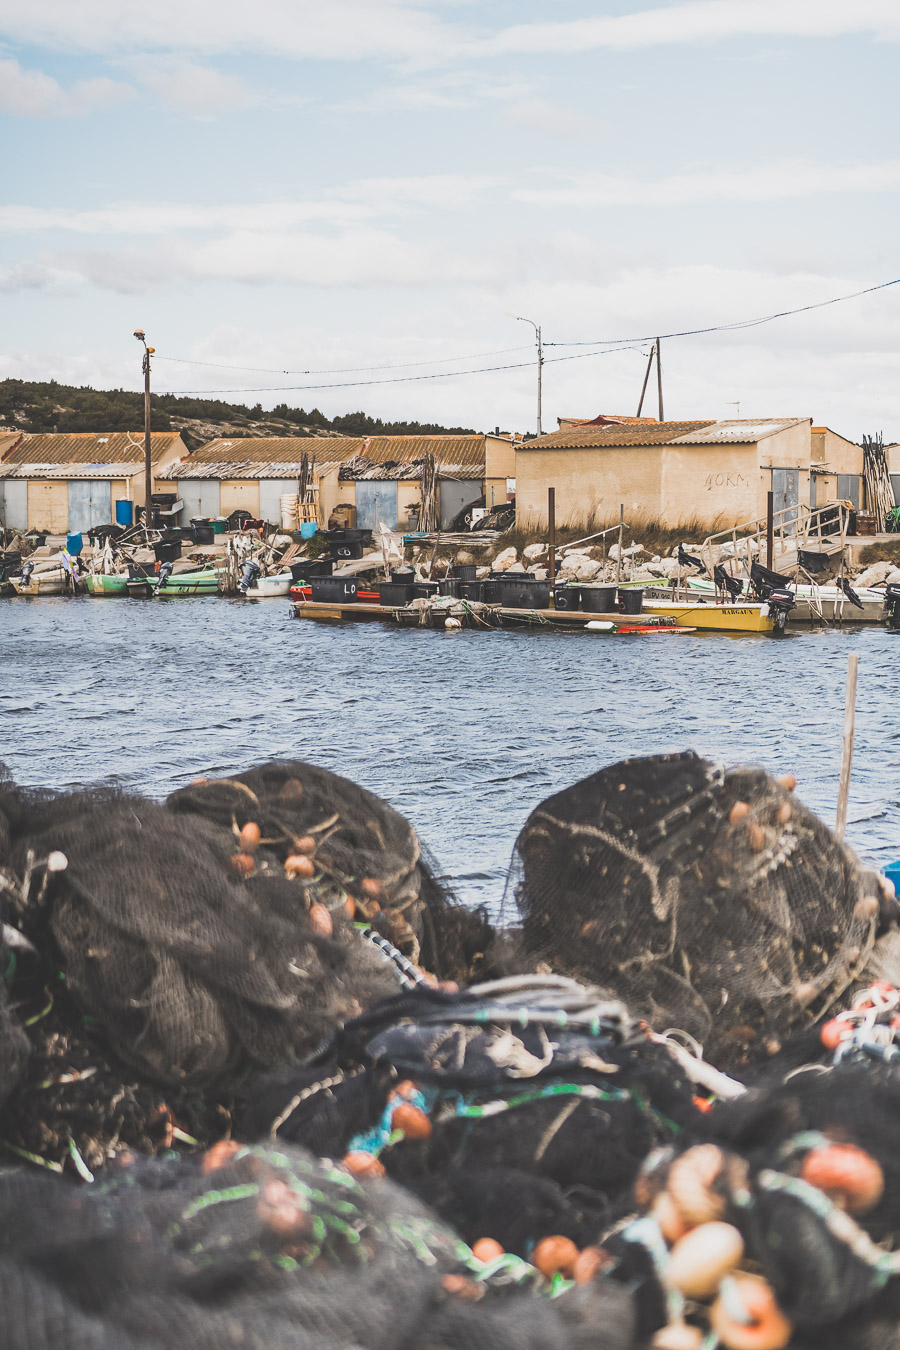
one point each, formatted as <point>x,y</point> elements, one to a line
<point>540,363</point>
<point>148,476</point>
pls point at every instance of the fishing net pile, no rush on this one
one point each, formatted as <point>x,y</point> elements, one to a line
<point>267,1249</point>
<point>710,900</point>
<point>163,953</point>
<point>778,1225</point>
<point>519,1109</point>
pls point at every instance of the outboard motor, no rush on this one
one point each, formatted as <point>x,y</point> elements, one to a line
<point>27,569</point>
<point>165,571</point>
<point>781,602</point>
<point>250,571</point>
<point>892,606</point>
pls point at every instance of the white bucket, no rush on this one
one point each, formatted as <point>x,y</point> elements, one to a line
<point>290,502</point>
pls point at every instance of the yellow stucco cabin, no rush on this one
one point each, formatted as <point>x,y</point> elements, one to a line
<point>712,474</point>
<point>67,482</point>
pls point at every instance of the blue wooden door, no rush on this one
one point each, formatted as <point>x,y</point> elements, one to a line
<point>376,504</point>
<point>89,503</point>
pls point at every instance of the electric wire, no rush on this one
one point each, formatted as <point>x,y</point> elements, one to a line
<point>399,379</point>
<point>737,324</point>
<point>343,370</point>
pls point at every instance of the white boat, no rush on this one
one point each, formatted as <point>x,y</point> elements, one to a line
<point>266,588</point>
<point>821,602</point>
<point>50,582</point>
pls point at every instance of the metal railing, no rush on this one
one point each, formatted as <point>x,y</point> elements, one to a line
<point>794,527</point>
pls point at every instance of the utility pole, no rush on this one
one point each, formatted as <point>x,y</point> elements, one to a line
<point>646,378</point>
<point>659,380</point>
<point>148,474</point>
<point>540,364</point>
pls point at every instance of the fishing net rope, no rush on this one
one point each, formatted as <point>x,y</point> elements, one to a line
<point>267,1249</point>
<point>168,951</point>
<point>711,900</point>
<point>519,1109</point>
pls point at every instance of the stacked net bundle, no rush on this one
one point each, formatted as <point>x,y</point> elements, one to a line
<point>710,900</point>
<point>360,856</point>
<point>166,953</point>
<point>520,1109</point>
<point>779,1226</point>
<point>267,1250</point>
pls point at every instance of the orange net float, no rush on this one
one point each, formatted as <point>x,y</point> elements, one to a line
<point>849,1176</point>
<point>746,1315</point>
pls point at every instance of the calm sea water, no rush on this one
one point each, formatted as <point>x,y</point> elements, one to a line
<point>463,732</point>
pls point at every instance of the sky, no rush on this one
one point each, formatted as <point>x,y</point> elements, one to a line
<point>347,204</point>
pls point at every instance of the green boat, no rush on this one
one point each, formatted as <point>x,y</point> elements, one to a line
<point>105,583</point>
<point>187,583</point>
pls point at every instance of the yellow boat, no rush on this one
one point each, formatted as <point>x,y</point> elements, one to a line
<point>736,618</point>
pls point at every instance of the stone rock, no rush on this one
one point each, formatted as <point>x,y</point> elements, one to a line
<point>665,567</point>
<point>631,552</point>
<point>893,578</point>
<point>533,551</point>
<point>874,575</point>
<point>463,557</point>
<point>587,569</point>
<point>540,574</point>
<point>505,559</point>
<point>514,567</point>
<point>482,572</point>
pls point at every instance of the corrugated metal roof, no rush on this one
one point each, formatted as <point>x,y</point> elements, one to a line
<point>7,440</point>
<point>118,470</point>
<point>90,447</point>
<point>280,456</point>
<point>276,450</point>
<point>737,432</point>
<point>362,470</point>
<point>194,467</point>
<point>586,438</point>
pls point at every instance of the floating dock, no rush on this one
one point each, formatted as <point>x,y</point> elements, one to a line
<point>490,617</point>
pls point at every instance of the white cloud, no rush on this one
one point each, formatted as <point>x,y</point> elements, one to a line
<point>340,30</point>
<point>32,93</point>
<point>198,90</point>
<point>764,182</point>
<point>362,200</point>
<point>704,21</point>
<point>540,116</point>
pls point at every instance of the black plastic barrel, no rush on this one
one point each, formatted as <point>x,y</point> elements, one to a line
<point>423,590</point>
<point>405,575</point>
<point>203,534</point>
<point>464,571</point>
<point>518,592</point>
<point>350,548</point>
<point>631,600</point>
<point>449,586</point>
<point>312,567</point>
<point>566,597</point>
<point>167,550</point>
<point>333,590</point>
<point>395,593</point>
<point>470,590</point>
<point>490,592</point>
<point>598,599</point>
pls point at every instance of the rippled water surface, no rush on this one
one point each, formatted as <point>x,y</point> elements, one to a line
<point>463,732</point>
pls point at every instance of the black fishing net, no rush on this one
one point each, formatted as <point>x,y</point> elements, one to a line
<point>519,1109</point>
<point>711,900</point>
<point>785,1209</point>
<point>169,951</point>
<point>365,858</point>
<point>267,1250</point>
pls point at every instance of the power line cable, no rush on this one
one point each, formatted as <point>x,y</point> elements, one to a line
<point>399,379</point>
<point>341,370</point>
<point>738,324</point>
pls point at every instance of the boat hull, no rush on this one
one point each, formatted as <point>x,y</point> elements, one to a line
<point>40,583</point>
<point>738,618</point>
<point>269,588</point>
<point>102,583</point>
<point>186,583</point>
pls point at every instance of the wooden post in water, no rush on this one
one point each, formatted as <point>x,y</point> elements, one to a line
<point>619,558</point>
<point>770,529</point>
<point>847,749</point>
<point>551,526</point>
